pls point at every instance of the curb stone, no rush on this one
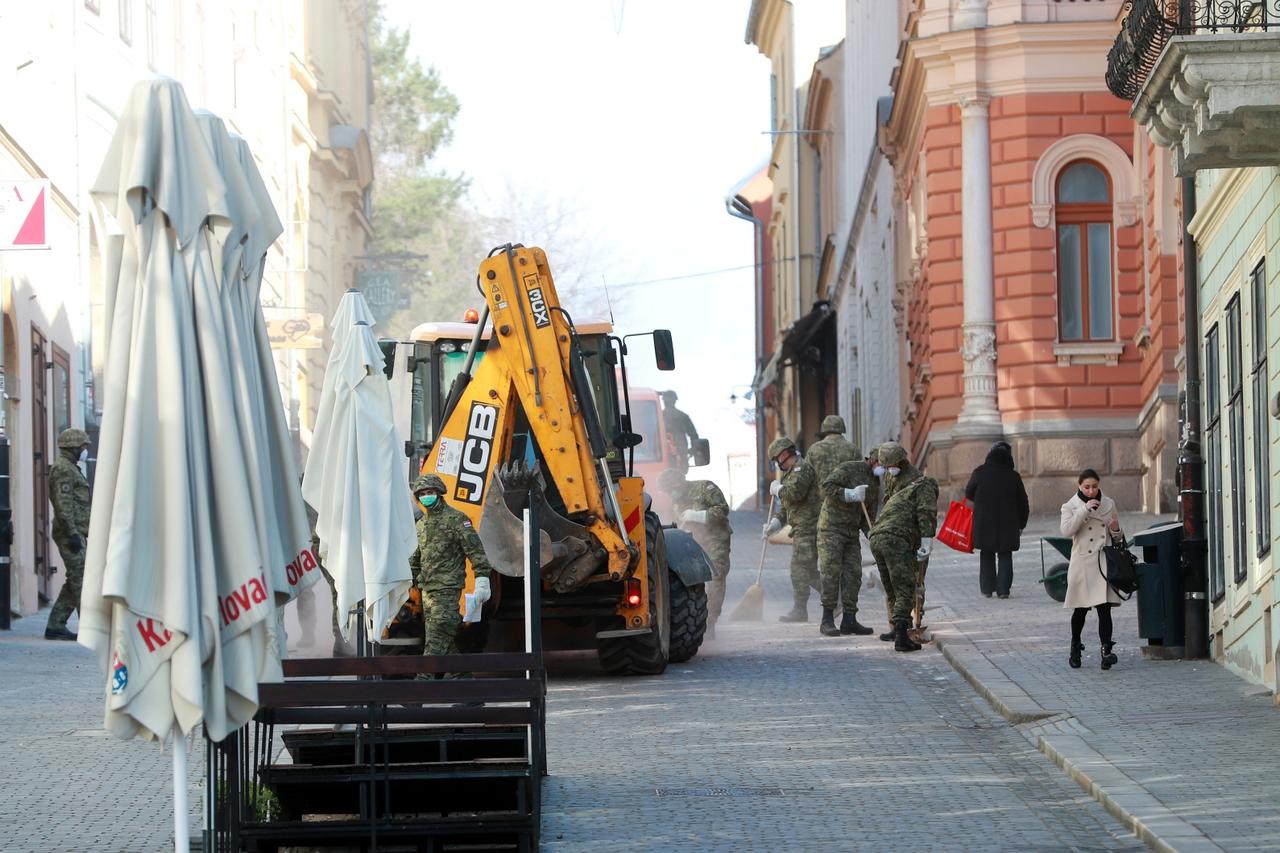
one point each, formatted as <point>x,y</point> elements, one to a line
<point>1002,692</point>
<point>1153,822</point>
<point>1150,820</point>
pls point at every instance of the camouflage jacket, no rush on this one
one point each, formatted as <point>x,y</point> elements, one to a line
<point>826,454</point>
<point>680,427</point>
<point>911,511</point>
<point>705,495</point>
<point>69,494</point>
<point>837,514</point>
<point>446,540</point>
<point>800,498</point>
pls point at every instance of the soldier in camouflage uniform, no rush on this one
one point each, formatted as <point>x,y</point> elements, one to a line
<point>446,540</point>
<point>680,427</point>
<point>800,500</point>
<point>69,494</point>
<point>702,510</point>
<point>902,536</point>
<point>831,449</point>
<point>846,491</point>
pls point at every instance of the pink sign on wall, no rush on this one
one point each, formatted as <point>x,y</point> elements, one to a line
<point>22,214</point>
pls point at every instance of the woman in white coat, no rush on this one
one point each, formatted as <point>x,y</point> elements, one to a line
<point>1091,520</point>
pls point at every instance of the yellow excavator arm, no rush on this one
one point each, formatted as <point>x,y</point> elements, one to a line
<point>532,366</point>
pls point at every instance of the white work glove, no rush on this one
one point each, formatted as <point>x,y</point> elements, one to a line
<point>695,516</point>
<point>926,548</point>
<point>856,495</point>
<point>771,528</point>
<point>775,487</point>
<point>482,591</point>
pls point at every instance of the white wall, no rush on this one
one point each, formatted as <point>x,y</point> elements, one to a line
<point>866,337</point>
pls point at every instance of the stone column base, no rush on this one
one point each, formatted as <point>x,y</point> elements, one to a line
<point>1050,464</point>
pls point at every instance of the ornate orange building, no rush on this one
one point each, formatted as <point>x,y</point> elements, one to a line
<point>1036,271</point>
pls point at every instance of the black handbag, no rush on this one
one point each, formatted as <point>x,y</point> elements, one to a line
<point>1119,569</point>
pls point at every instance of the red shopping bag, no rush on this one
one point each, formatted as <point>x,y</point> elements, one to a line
<point>957,528</point>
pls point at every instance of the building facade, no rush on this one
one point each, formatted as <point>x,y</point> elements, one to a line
<point>1034,308</point>
<point>863,275</point>
<point>1204,79</point>
<point>801,370</point>
<point>290,76</point>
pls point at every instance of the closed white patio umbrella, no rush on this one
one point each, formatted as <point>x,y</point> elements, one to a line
<point>355,480</point>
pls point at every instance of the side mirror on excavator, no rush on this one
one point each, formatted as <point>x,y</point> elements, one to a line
<point>701,453</point>
<point>664,352</point>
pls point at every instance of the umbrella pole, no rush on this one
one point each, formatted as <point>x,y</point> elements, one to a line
<point>181,832</point>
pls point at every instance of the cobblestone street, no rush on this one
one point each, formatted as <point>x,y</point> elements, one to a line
<point>776,738</point>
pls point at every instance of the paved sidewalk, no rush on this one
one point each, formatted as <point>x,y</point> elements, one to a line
<point>1183,752</point>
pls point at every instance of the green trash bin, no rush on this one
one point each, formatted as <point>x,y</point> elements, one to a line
<point>1161,613</point>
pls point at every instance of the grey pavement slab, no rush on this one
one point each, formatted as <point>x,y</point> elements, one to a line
<point>1184,751</point>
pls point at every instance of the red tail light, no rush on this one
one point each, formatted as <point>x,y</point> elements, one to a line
<point>631,592</point>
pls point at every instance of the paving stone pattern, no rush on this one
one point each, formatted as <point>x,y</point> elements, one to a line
<point>870,748</point>
<point>1189,745</point>
<point>65,784</point>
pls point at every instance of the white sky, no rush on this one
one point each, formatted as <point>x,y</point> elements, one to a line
<point>642,116</point>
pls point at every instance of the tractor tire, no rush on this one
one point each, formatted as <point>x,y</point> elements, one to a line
<point>688,619</point>
<point>646,654</point>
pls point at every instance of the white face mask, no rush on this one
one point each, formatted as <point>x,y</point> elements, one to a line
<point>84,456</point>
<point>878,470</point>
<point>893,472</point>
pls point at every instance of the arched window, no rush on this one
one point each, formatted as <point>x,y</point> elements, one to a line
<point>1085,277</point>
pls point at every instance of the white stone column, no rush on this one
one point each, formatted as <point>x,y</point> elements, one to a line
<point>980,411</point>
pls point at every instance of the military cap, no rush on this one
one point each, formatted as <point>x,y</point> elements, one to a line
<point>780,444</point>
<point>73,438</point>
<point>832,425</point>
<point>669,396</point>
<point>428,482</point>
<point>891,453</point>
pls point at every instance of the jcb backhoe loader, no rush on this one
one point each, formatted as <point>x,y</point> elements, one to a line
<point>533,411</point>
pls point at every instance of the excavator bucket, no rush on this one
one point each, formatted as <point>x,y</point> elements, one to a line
<point>565,547</point>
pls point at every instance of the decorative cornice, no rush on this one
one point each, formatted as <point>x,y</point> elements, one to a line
<point>1085,146</point>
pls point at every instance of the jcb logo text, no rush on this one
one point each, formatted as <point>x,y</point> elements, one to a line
<point>477,452</point>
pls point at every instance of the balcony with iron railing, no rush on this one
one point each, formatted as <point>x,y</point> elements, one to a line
<point>1204,78</point>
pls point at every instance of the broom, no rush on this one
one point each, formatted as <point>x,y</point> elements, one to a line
<point>751,608</point>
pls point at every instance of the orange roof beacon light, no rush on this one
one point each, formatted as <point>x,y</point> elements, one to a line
<point>471,316</point>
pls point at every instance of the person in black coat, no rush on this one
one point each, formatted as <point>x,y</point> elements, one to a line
<point>999,503</point>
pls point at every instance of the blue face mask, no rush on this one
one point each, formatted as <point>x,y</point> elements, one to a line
<point>428,500</point>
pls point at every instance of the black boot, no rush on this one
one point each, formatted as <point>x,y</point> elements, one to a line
<point>850,625</point>
<point>1109,658</point>
<point>828,626</point>
<point>59,634</point>
<point>799,613</point>
<point>902,641</point>
<point>1076,648</point>
<point>889,636</point>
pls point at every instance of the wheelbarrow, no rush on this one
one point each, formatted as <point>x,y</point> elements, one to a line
<point>1055,577</point>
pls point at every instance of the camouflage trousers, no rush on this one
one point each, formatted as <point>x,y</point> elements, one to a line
<point>440,621</point>
<point>804,566</point>
<point>898,573</point>
<point>68,600</point>
<point>840,561</point>
<point>718,552</point>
